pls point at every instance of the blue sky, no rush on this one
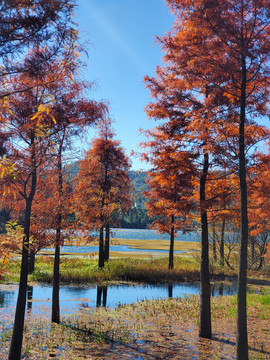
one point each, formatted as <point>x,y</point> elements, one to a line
<point>122,50</point>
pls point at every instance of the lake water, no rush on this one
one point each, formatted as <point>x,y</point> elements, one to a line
<point>72,298</point>
<point>146,234</point>
<point>133,234</point>
<point>93,248</point>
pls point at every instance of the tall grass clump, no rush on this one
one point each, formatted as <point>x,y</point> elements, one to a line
<point>82,270</point>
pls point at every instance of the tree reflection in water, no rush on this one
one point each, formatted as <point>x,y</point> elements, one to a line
<point>29,298</point>
<point>101,294</point>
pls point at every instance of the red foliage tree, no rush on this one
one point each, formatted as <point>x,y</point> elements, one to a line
<point>73,114</point>
<point>221,52</point>
<point>170,194</point>
<point>27,123</point>
<point>103,186</point>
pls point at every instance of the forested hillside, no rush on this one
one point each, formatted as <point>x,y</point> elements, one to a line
<point>135,218</point>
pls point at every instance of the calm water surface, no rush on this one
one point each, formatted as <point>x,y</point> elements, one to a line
<point>146,234</point>
<point>133,234</point>
<point>74,297</point>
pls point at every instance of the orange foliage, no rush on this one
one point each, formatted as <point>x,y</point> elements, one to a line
<point>169,182</point>
<point>103,186</point>
<point>259,190</point>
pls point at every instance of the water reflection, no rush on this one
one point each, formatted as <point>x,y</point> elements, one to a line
<point>29,297</point>
<point>2,298</point>
<point>170,291</point>
<point>7,293</point>
<point>71,297</point>
<point>101,294</point>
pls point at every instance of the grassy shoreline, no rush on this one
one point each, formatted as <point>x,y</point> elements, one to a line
<point>82,270</point>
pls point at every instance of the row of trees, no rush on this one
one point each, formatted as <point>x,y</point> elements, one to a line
<point>44,108</point>
<point>212,88</point>
<point>33,37</point>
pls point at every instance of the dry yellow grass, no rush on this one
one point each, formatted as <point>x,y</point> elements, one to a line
<point>186,248</point>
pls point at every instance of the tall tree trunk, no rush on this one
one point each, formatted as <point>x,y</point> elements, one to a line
<point>107,241</point>
<point>221,248</point>
<point>242,338</point>
<point>56,268</point>
<point>205,329</point>
<point>56,280</point>
<point>214,242</point>
<point>171,244</point>
<point>17,335</point>
<point>101,248</point>
<point>31,265</point>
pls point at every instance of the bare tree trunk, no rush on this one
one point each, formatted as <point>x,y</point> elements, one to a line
<point>56,268</point>
<point>17,335</point>
<point>56,280</point>
<point>171,244</point>
<point>205,329</point>
<point>101,248</point>
<point>242,337</point>
<point>31,265</point>
<point>214,243</point>
<point>107,241</point>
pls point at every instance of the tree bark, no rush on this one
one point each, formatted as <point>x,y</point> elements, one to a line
<point>214,243</point>
<point>242,338</point>
<point>31,265</point>
<point>17,335</point>
<point>56,268</point>
<point>107,241</point>
<point>56,280</point>
<point>205,329</point>
<point>101,248</point>
<point>171,244</point>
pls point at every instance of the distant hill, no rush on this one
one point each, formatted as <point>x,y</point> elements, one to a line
<point>136,217</point>
<point>138,180</point>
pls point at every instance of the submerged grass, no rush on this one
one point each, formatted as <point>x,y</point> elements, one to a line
<point>169,328</point>
<point>155,329</point>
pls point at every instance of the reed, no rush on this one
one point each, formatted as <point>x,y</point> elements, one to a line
<point>82,270</point>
